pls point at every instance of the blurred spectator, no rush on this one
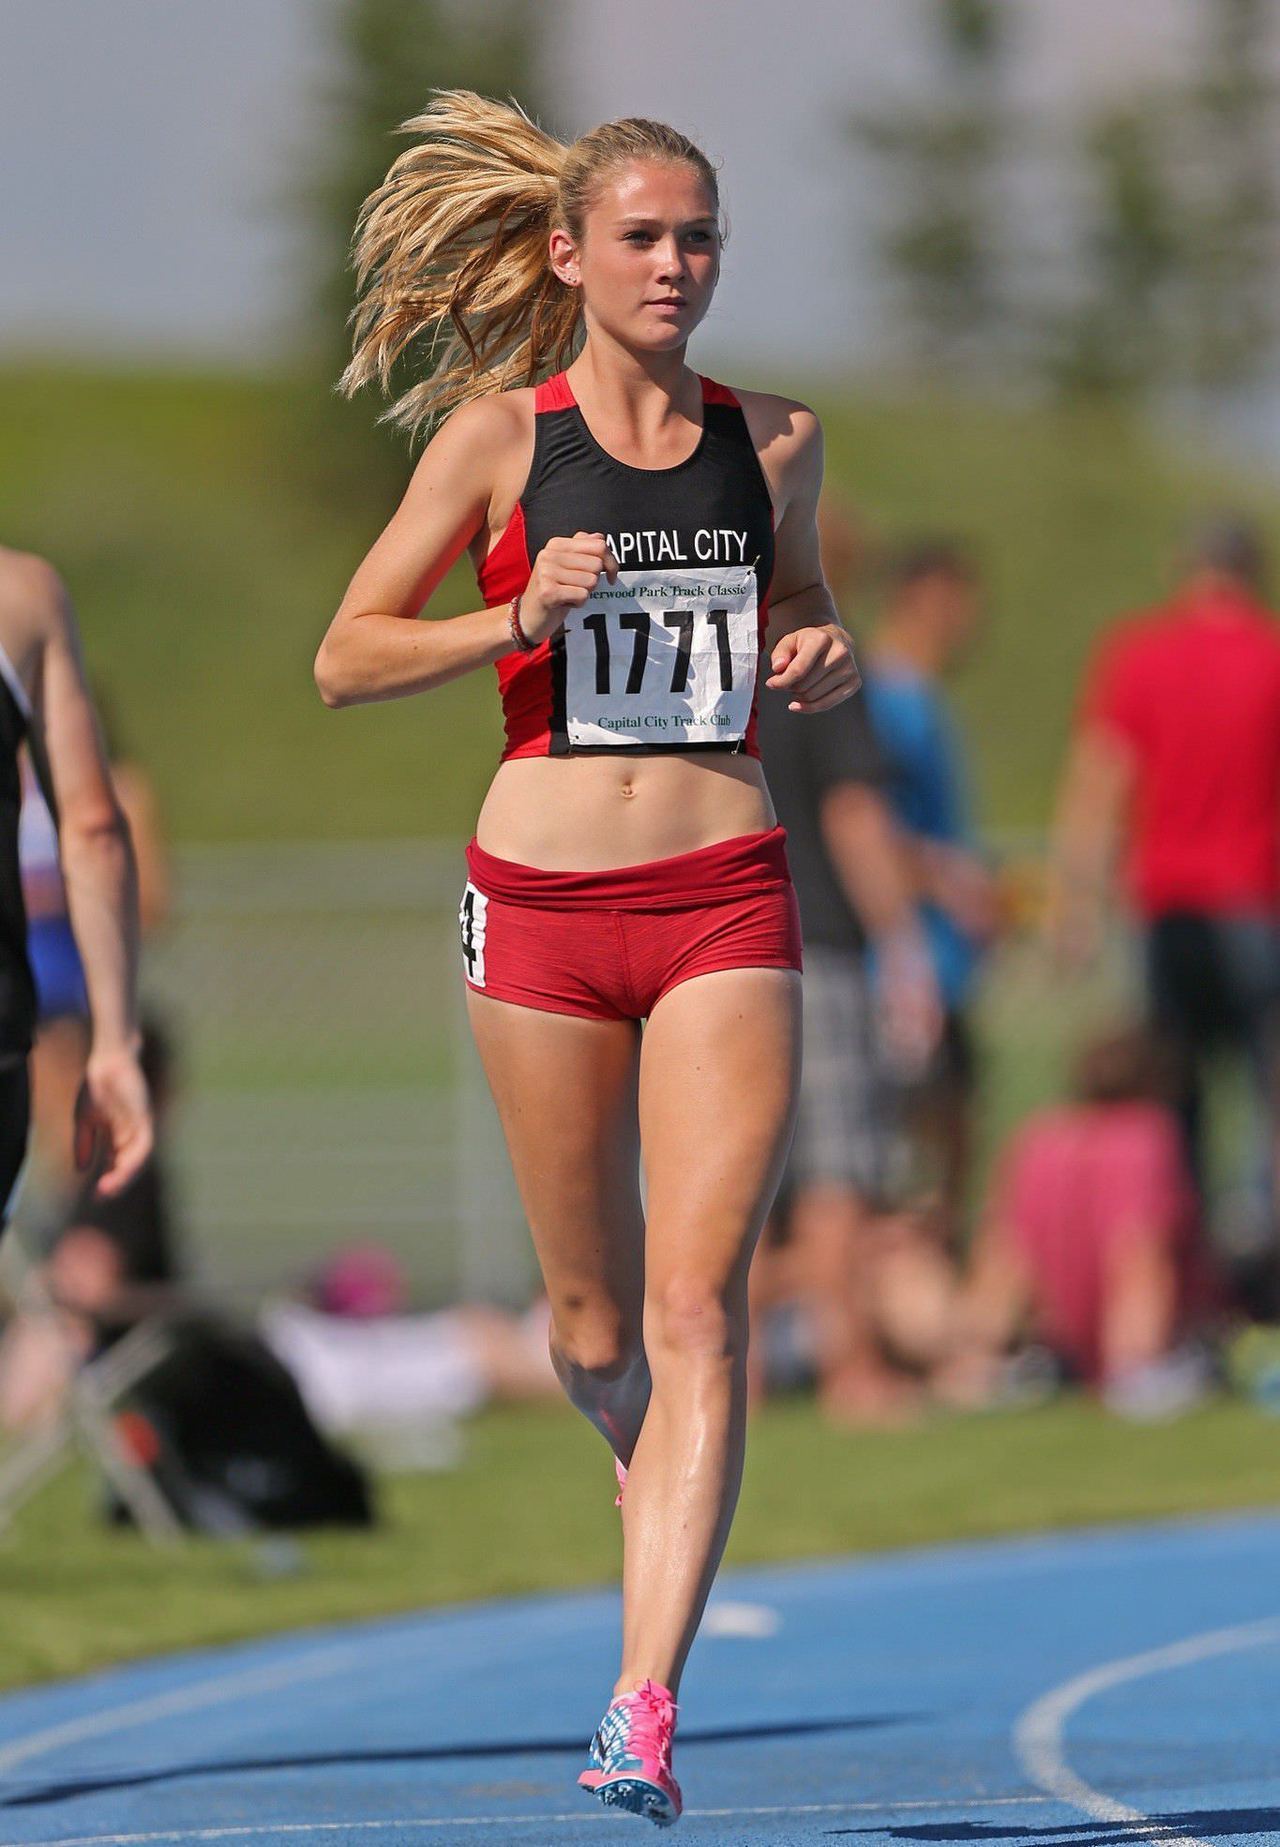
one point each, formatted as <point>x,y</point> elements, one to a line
<point>825,777</point>
<point>1090,1244</point>
<point>848,550</point>
<point>114,1262</point>
<point>928,624</point>
<point>214,1417</point>
<point>62,1032</point>
<point>366,1366</point>
<point>1177,759</point>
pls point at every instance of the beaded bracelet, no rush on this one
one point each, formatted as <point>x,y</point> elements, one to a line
<point>518,635</point>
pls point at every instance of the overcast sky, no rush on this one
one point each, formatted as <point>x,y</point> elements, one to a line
<point>147,148</point>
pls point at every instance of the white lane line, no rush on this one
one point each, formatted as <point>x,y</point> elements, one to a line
<point>752,1621</point>
<point>1038,1736</point>
<point>215,1692</point>
<point>220,1689</point>
<point>494,1821</point>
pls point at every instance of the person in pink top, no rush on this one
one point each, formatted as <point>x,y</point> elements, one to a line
<point>1089,1241</point>
<point>1176,761</point>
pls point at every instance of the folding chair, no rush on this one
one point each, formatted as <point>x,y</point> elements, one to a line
<point>86,1422</point>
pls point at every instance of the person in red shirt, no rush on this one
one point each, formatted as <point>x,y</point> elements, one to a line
<point>1177,760</point>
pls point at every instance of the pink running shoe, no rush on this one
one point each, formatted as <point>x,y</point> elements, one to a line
<point>620,1470</point>
<point>630,1757</point>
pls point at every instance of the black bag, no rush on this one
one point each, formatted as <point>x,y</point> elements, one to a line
<point>222,1427</point>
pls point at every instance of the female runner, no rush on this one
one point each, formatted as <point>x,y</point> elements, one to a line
<point>640,536</point>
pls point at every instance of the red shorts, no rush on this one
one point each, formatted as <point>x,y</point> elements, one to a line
<point>609,945</point>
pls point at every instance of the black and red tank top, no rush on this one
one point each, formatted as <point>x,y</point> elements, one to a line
<point>668,657</point>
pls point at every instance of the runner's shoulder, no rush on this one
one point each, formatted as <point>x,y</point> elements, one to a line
<point>787,436</point>
<point>484,438</point>
<point>785,423</point>
<point>496,417</point>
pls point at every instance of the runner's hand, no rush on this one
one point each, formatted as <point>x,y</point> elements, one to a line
<point>564,574</point>
<point>816,667</point>
<point>113,1122</point>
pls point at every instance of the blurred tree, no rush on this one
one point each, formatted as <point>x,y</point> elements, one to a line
<point>1232,215</point>
<point>1177,265</point>
<point>940,158</point>
<point>389,55</point>
<point>1116,334</point>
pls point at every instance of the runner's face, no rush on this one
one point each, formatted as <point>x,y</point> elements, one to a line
<point>650,255</point>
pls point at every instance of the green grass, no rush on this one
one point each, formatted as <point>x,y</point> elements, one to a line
<point>199,525</point>
<point>531,1509</point>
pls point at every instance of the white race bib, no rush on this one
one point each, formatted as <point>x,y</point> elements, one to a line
<point>663,659</point>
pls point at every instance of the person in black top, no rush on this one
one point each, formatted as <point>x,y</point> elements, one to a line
<point>17,987</point>
<point>134,1229</point>
<point>826,777</point>
<point>45,703</point>
<point>114,1262</point>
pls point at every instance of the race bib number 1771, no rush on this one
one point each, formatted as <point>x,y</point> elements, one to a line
<point>663,658</point>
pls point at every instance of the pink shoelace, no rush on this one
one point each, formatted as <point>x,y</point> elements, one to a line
<point>653,1720</point>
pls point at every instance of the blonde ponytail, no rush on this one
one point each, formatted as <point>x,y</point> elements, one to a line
<point>451,250</point>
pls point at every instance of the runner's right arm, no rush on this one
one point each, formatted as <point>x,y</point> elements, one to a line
<point>375,647</point>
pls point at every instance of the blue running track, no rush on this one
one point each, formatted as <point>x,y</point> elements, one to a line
<point>1063,1692</point>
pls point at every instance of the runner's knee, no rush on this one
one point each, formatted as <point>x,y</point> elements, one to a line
<point>689,1318</point>
<point>593,1341</point>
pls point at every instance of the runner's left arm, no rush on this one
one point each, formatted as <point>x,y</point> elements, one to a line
<point>810,650</point>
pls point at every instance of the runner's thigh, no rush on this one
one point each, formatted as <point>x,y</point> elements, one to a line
<point>565,1090</point>
<point>718,1076</point>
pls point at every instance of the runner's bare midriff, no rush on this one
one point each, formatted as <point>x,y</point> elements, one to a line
<point>590,814</point>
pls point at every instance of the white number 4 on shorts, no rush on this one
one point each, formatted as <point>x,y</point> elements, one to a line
<point>471,917</point>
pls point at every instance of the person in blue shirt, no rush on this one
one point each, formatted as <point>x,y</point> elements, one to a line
<point>929,622</point>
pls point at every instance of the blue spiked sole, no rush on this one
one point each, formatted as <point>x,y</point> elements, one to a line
<point>637,1796</point>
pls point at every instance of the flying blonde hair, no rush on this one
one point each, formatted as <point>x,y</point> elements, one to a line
<point>451,250</point>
